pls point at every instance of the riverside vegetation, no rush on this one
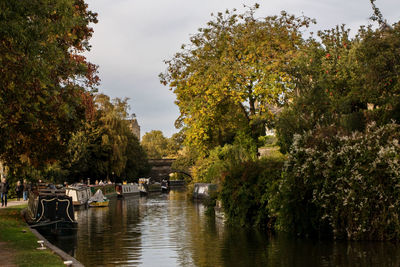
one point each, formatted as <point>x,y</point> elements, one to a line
<point>53,123</point>
<point>334,101</point>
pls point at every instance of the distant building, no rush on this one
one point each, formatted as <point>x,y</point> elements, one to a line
<point>135,128</point>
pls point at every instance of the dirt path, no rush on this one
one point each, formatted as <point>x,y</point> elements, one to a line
<point>6,256</point>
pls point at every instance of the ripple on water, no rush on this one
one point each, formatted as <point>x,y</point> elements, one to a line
<point>168,230</point>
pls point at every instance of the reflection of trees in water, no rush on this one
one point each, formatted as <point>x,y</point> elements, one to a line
<point>217,244</point>
<point>130,231</point>
<point>104,235</point>
<point>178,208</point>
<point>205,236</point>
<point>214,244</point>
<point>211,243</point>
<point>243,247</point>
<point>285,251</point>
<point>256,248</point>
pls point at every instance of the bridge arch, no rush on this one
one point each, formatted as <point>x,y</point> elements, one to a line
<point>182,172</point>
<point>161,168</point>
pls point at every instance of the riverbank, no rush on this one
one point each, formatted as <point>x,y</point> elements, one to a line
<point>18,244</point>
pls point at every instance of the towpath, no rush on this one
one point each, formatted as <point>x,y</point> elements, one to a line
<point>11,203</point>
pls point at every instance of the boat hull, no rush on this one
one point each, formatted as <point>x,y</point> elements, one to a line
<point>99,204</point>
<point>127,190</point>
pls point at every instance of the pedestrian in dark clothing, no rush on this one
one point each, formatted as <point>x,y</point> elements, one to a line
<point>4,187</point>
<point>19,189</point>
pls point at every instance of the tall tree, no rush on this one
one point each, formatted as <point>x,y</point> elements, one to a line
<point>379,67</point>
<point>106,147</point>
<point>43,76</point>
<point>343,81</point>
<point>175,144</point>
<point>326,82</point>
<point>113,119</point>
<point>155,144</point>
<point>137,164</point>
<point>229,73</point>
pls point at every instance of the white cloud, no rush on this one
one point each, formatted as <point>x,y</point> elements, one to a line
<point>133,37</point>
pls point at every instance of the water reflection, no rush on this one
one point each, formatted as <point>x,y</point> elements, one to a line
<point>109,235</point>
<point>171,230</point>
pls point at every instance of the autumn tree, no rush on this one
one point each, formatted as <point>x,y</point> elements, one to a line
<point>105,147</point>
<point>344,82</point>
<point>44,79</point>
<point>86,154</point>
<point>230,71</point>
<point>325,87</point>
<point>379,67</point>
<point>175,144</point>
<point>155,144</point>
<point>137,164</point>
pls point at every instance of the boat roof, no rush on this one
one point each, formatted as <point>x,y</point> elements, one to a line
<point>77,186</point>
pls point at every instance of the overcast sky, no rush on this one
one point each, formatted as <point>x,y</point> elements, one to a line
<point>133,37</point>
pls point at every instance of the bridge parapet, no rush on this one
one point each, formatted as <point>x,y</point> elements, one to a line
<point>161,168</point>
<point>161,162</point>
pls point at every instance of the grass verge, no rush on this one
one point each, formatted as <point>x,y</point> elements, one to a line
<point>23,243</point>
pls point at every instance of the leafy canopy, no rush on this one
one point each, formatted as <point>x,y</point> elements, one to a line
<point>43,77</point>
<point>229,73</point>
<point>345,82</point>
<point>106,147</point>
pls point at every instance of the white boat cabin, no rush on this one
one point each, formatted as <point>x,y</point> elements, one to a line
<point>80,194</point>
<point>128,189</point>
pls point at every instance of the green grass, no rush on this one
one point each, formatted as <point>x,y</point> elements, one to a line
<point>271,152</point>
<point>11,199</point>
<point>15,232</point>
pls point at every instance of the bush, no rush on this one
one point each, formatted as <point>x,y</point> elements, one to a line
<point>347,187</point>
<point>247,189</point>
<point>223,159</point>
<point>267,141</point>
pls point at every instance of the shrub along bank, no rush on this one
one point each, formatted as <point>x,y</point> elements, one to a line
<point>331,185</point>
<point>247,190</point>
<point>344,186</point>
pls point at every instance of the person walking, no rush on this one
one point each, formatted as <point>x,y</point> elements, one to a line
<point>26,190</point>
<point>4,187</point>
<point>2,184</point>
<point>19,189</point>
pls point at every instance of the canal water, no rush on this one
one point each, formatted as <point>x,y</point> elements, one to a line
<point>171,230</point>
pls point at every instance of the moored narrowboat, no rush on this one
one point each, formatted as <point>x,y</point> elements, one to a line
<point>146,186</point>
<point>49,207</point>
<point>80,194</point>
<point>107,189</point>
<point>127,190</point>
<point>204,190</point>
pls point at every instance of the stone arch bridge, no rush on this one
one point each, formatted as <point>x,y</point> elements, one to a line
<point>161,169</point>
